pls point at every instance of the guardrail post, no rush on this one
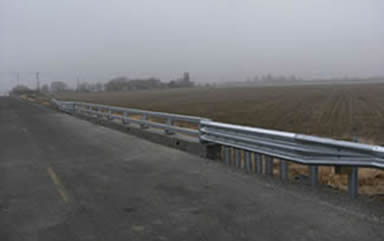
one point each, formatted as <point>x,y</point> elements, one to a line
<point>144,117</point>
<point>92,111</point>
<point>237,158</point>
<point>169,123</point>
<point>353,178</point>
<point>73,108</point>
<point>85,110</point>
<point>314,174</point>
<point>283,170</point>
<point>269,165</point>
<point>258,163</point>
<point>353,182</point>
<point>109,114</point>
<point>99,115</point>
<point>227,155</point>
<point>248,158</point>
<point>125,117</point>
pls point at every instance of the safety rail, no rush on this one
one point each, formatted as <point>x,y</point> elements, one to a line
<point>252,148</point>
<point>143,118</point>
<point>313,151</point>
<point>66,106</point>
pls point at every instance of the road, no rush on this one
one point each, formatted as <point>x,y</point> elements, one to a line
<point>62,178</point>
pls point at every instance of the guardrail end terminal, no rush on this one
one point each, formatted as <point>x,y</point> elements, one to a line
<point>169,132</point>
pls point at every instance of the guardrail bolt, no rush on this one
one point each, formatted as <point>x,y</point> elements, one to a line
<point>283,170</point>
<point>313,172</point>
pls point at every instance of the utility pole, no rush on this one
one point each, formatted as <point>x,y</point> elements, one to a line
<point>77,84</point>
<point>37,81</point>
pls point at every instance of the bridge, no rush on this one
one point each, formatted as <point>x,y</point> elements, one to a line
<point>64,178</point>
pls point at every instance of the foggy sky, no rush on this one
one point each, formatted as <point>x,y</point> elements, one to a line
<point>213,39</point>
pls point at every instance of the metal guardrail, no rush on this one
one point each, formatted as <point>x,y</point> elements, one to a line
<point>254,148</point>
<point>313,151</point>
<point>145,120</point>
<point>66,106</point>
<point>299,148</point>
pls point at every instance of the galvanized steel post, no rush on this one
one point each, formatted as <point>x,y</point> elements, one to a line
<point>313,174</point>
<point>353,182</point>
<point>169,131</point>
<point>283,170</point>
<point>77,109</point>
<point>125,118</point>
<point>88,111</point>
<point>144,117</point>
<point>248,158</point>
<point>269,165</point>
<point>237,158</point>
<point>109,114</point>
<point>258,163</point>
<point>227,155</point>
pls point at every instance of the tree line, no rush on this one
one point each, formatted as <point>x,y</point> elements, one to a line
<point>113,85</point>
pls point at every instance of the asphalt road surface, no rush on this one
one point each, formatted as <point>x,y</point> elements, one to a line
<point>63,178</point>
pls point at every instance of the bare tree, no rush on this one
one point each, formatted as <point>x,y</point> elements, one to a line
<point>58,86</point>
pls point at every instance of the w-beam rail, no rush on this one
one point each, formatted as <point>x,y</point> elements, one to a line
<point>253,149</point>
<point>144,118</point>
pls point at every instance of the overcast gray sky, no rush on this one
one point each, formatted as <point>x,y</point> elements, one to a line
<point>212,39</point>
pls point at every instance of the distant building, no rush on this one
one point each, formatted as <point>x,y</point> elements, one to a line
<point>182,82</point>
<point>186,77</point>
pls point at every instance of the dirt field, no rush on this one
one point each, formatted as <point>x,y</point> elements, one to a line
<point>340,112</point>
